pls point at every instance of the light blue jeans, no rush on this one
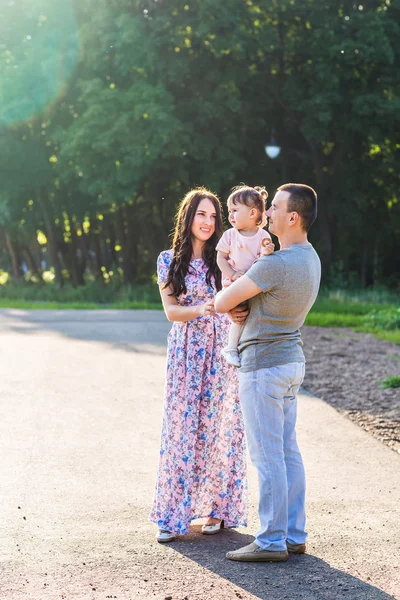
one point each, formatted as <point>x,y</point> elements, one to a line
<point>268,398</point>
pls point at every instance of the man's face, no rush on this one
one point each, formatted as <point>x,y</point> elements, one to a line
<point>278,216</point>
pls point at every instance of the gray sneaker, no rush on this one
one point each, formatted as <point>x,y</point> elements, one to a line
<point>253,553</point>
<point>296,548</point>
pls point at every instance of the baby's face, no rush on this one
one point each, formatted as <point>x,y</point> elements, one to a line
<point>241,216</point>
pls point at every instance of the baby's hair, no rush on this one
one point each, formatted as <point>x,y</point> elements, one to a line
<point>254,197</point>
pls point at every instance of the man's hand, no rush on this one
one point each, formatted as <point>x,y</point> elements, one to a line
<point>237,274</point>
<point>239,314</point>
<point>239,291</point>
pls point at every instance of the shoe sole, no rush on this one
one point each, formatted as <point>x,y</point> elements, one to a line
<point>256,558</point>
<point>211,532</point>
<point>300,549</point>
<point>165,541</point>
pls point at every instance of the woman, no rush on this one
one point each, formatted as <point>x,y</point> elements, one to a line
<point>202,469</point>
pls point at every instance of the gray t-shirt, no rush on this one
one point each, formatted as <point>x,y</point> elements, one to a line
<point>289,280</point>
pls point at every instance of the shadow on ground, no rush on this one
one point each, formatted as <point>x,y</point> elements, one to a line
<point>301,577</point>
<point>133,331</point>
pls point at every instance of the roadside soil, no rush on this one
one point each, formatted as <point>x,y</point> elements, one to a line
<point>345,368</point>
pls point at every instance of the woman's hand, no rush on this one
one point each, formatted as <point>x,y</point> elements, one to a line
<point>239,314</point>
<point>207,309</point>
<point>176,313</point>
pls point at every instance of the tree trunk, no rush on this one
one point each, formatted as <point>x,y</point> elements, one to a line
<point>124,241</point>
<point>112,261</point>
<point>322,219</point>
<point>364,265</point>
<point>52,238</point>
<point>13,254</point>
<point>30,261</point>
<point>132,241</point>
<point>98,257</point>
<point>77,260</point>
<point>375,261</point>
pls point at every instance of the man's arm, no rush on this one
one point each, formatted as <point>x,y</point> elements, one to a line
<point>241,290</point>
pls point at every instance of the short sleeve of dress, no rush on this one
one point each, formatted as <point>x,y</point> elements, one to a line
<point>163,263</point>
<point>224,244</point>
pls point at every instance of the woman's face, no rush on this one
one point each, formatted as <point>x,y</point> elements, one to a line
<point>203,225</point>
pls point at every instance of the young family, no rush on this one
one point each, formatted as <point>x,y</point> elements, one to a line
<point>235,302</point>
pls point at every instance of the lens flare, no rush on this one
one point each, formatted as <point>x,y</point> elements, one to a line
<point>38,53</point>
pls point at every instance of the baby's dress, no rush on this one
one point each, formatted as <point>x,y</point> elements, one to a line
<point>202,467</point>
<point>242,250</point>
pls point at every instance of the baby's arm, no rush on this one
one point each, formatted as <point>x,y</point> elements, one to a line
<point>225,267</point>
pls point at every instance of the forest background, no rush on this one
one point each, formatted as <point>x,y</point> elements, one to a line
<point>111,110</point>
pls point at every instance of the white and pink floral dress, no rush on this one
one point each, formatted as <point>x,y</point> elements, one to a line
<point>202,468</point>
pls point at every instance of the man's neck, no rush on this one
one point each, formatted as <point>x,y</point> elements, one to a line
<point>292,239</point>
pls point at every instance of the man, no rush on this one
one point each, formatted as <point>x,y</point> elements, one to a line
<point>282,287</point>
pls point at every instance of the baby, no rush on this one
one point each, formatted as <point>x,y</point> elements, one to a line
<point>240,246</point>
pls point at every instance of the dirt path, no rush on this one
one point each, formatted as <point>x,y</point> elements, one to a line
<point>81,405</point>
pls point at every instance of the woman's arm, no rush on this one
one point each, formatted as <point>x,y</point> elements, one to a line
<point>177,313</point>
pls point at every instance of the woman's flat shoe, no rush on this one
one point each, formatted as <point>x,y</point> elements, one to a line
<point>212,528</point>
<point>165,536</point>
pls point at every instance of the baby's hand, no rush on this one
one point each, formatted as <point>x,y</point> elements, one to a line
<point>236,275</point>
<point>267,247</point>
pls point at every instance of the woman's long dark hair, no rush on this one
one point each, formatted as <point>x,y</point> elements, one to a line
<point>182,242</point>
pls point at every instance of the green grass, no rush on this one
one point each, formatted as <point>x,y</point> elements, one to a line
<point>327,305</point>
<point>376,296</point>
<point>386,336</point>
<point>337,309</point>
<point>352,309</point>
<point>94,295</point>
<point>333,308</point>
<point>332,319</point>
<point>387,318</point>
<point>23,304</point>
<point>390,382</point>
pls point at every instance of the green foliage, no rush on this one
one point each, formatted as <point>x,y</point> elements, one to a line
<point>329,305</point>
<point>367,299</point>
<point>332,309</point>
<point>388,318</point>
<point>29,305</point>
<point>92,294</point>
<point>99,145</point>
<point>38,52</point>
<point>390,382</point>
<point>332,319</point>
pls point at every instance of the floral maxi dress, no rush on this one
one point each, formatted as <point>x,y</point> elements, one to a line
<point>202,468</point>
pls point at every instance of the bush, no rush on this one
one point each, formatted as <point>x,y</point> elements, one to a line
<point>93,292</point>
<point>388,318</point>
<point>390,382</point>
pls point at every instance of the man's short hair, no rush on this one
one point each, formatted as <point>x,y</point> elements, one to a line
<point>303,200</point>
